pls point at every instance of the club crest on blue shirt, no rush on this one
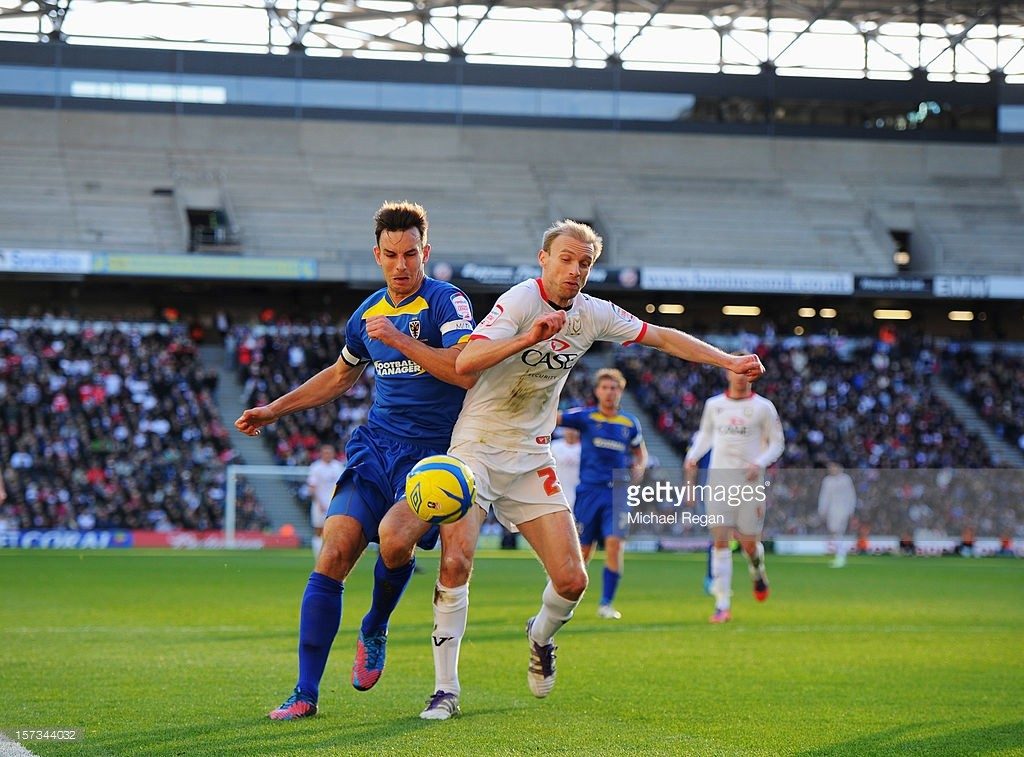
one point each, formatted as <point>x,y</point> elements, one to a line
<point>414,328</point>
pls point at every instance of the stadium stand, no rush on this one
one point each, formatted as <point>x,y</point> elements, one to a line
<point>99,434</point>
<point>862,403</point>
<point>857,402</point>
<point>111,425</point>
<point>829,392</point>
<point>636,206</point>
<point>994,384</point>
<point>273,360</point>
<point>88,181</point>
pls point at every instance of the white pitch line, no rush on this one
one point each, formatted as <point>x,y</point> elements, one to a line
<point>11,748</point>
<point>34,630</point>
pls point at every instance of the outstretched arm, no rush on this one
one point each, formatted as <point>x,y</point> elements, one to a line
<point>823,496</point>
<point>775,442</point>
<point>700,445</point>
<point>325,386</point>
<point>682,345</point>
<point>439,362</point>
<point>639,462</point>
<point>480,354</point>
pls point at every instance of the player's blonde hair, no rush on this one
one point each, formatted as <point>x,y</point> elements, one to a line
<point>613,374</point>
<point>576,230</point>
<point>400,216</point>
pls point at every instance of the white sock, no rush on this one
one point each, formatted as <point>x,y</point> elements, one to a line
<point>755,563</point>
<point>451,608</point>
<point>721,577</point>
<point>555,612</point>
<point>318,543</point>
<point>842,547</point>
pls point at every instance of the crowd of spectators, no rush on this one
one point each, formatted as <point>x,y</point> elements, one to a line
<point>273,360</point>
<point>857,402</point>
<point>114,425</point>
<point>111,425</point>
<point>994,383</point>
<point>864,403</point>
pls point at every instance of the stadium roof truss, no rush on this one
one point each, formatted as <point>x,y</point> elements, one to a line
<point>954,40</point>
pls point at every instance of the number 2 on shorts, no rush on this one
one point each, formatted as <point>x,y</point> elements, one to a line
<point>551,485</point>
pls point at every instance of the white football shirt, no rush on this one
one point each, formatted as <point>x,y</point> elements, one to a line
<point>514,404</point>
<point>837,500</point>
<point>739,432</point>
<point>567,465</point>
<point>321,480</point>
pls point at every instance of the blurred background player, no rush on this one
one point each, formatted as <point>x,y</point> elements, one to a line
<point>612,445</point>
<point>323,477</point>
<point>837,500</point>
<point>744,434</point>
<point>522,353</point>
<point>412,331</point>
<point>566,450</point>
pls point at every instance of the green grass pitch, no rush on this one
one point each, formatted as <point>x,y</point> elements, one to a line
<point>160,653</point>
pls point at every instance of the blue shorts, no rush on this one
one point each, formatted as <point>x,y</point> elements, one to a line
<point>374,480</point>
<point>594,513</point>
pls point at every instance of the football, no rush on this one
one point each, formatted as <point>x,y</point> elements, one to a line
<point>440,489</point>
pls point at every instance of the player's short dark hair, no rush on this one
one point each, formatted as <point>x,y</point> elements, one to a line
<point>399,216</point>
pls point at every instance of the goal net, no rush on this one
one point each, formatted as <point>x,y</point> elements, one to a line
<point>277,492</point>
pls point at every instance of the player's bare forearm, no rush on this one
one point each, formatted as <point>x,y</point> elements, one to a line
<point>480,354</point>
<point>686,347</point>
<point>439,362</point>
<point>325,386</point>
<point>328,385</point>
<point>640,457</point>
<point>699,447</point>
<point>639,463</point>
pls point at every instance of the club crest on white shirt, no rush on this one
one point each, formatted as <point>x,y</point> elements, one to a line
<point>623,314</point>
<point>494,315</point>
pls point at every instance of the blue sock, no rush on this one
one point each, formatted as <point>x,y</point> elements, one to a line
<point>708,575</point>
<point>388,587</point>
<point>610,584</point>
<point>319,619</point>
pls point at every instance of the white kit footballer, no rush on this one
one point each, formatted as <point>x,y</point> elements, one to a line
<point>513,409</point>
<point>504,430</point>
<point>739,432</point>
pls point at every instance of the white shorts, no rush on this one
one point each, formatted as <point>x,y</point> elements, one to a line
<point>837,524</point>
<point>317,515</point>
<point>519,486</point>
<point>745,514</point>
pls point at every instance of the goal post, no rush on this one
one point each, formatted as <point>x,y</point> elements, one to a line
<point>268,484</point>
